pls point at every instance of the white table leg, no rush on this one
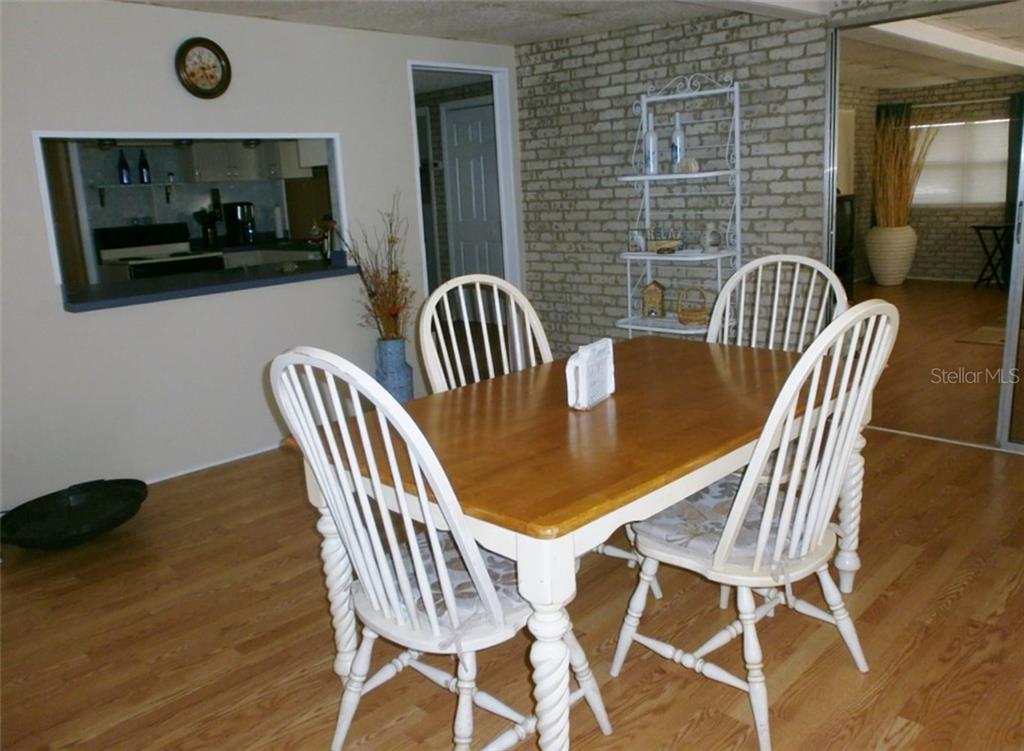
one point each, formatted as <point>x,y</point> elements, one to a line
<point>851,495</point>
<point>547,580</point>
<point>338,577</point>
<point>549,656</point>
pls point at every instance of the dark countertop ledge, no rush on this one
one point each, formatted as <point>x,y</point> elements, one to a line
<point>177,286</point>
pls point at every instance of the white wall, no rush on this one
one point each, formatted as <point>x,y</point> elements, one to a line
<point>155,390</point>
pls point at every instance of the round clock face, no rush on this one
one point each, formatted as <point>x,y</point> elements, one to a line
<point>203,67</point>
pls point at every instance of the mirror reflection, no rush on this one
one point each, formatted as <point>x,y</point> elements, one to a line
<point>157,216</point>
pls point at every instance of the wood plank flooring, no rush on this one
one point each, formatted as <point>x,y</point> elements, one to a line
<point>912,395</point>
<point>203,624</point>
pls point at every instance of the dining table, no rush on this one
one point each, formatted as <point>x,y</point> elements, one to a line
<point>543,484</point>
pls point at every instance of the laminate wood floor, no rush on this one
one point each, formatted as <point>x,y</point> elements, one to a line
<point>203,624</point>
<point>936,385</point>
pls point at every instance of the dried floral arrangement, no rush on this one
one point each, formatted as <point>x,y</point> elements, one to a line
<point>380,257</point>
<point>899,159</point>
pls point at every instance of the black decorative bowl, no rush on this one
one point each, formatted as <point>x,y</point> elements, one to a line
<point>74,515</point>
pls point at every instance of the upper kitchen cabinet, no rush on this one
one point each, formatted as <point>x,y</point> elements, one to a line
<point>313,153</point>
<point>219,161</point>
<point>286,154</point>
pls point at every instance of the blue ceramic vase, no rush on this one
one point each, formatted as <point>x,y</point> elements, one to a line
<point>393,372</point>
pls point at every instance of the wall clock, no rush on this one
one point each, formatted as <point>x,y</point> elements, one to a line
<point>203,67</point>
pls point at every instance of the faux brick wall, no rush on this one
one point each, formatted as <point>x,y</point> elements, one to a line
<point>947,246</point>
<point>577,128</point>
<point>577,131</point>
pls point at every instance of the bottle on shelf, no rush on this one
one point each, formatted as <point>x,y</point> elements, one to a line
<point>144,175</point>
<point>650,147</point>
<point>678,144</point>
<point>124,172</point>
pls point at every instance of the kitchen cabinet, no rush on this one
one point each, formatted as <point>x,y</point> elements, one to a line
<point>312,152</point>
<point>220,161</point>
<point>289,166</point>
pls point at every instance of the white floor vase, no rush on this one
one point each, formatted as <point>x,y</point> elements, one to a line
<point>890,252</point>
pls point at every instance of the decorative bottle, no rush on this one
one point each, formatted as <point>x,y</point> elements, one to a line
<point>650,147</point>
<point>678,145</point>
<point>144,176</point>
<point>124,172</point>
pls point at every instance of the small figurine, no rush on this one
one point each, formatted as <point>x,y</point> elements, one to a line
<point>654,300</point>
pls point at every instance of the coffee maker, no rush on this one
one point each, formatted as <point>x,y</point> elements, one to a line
<point>239,223</point>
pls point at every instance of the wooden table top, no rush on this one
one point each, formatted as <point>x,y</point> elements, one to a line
<point>517,455</point>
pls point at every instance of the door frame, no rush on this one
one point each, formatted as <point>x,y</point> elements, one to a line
<point>445,109</point>
<point>424,112</point>
<point>505,145</point>
<point>1014,304</point>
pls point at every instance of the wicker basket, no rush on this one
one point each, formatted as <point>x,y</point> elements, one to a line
<point>692,307</point>
<point>663,247</point>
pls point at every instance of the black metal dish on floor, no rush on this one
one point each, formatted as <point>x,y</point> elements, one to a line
<point>74,515</point>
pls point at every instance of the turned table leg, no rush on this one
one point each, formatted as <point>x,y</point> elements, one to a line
<point>547,580</point>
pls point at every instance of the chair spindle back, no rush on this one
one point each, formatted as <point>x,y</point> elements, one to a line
<point>361,446</point>
<point>476,327</point>
<point>777,302</point>
<point>803,454</point>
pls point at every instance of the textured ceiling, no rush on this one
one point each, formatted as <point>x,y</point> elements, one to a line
<point>869,59</point>
<point>999,24</point>
<point>508,22</point>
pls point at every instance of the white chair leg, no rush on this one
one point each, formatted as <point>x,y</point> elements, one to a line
<point>851,496</point>
<point>338,577</point>
<point>464,711</point>
<point>724,592</point>
<point>843,621</point>
<point>353,689</point>
<point>655,586</point>
<point>753,658</point>
<point>631,622</point>
<point>585,677</point>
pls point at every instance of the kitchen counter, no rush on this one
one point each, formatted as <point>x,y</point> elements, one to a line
<point>261,244</point>
<point>171,287</point>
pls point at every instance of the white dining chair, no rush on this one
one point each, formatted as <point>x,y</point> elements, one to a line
<point>478,326</point>
<point>777,302</point>
<point>763,537</point>
<point>402,563</point>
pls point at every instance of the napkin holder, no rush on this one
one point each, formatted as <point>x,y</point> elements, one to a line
<point>590,375</point>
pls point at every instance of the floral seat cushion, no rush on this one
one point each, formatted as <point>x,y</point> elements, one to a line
<point>696,523</point>
<point>471,610</point>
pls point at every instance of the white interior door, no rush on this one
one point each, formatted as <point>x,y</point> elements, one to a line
<point>471,188</point>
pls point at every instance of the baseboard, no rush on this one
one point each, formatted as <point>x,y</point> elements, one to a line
<point>940,279</point>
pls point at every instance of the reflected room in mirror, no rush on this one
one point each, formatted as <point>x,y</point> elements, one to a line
<point>143,219</point>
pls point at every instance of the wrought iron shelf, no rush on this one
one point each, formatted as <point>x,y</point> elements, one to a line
<point>659,325</point>
<point>692,255</point>
<point>667,177</point>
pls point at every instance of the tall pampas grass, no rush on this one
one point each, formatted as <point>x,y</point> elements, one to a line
<point>899,158</point>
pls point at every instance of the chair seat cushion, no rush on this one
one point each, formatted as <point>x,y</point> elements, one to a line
<point>695,524</point>
<point>502,571</point>
<point>476,626</point>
